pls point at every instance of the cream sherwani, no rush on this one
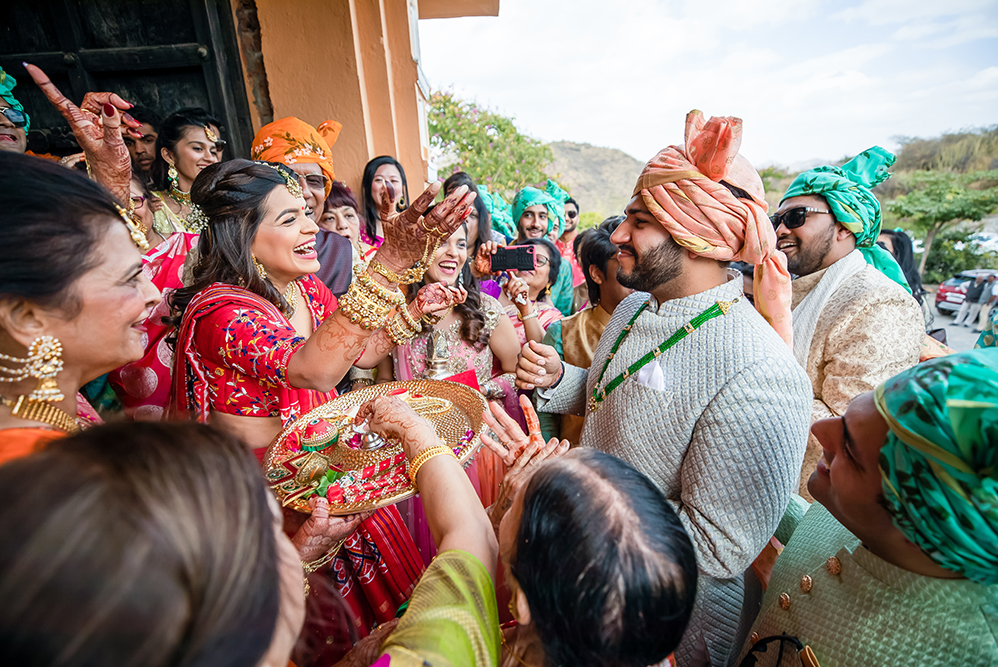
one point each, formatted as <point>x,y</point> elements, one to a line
<point>720,425</point>
<point>869,330</point>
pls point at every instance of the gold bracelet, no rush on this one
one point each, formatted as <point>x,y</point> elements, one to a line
<point>309,568</point>
<point>399,331</point>
<point>414,273</point>
<point>368,303</point>
<point>529,316</point>
<point>409,319</point>
<point>425,456</point>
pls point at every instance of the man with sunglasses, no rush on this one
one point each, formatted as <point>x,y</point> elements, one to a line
<point>566,244</point>
<point>855,323</point>
<point>14,123</point>
<point>306,150</point>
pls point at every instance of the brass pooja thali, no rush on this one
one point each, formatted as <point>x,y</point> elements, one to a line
<point>322,453</point>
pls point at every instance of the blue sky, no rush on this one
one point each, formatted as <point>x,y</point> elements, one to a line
<point>812,79</point>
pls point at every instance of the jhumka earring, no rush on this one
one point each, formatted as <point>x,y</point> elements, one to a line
<point>43,363</point>
<point>171,175</point>
<point>548,290</point>
<point>259,268</point>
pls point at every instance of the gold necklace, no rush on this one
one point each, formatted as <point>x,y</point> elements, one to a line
<point>39,411</point>
<point>179,195</point>
<point>291,296</point>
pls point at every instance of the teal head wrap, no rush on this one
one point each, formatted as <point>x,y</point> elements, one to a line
<point>940,463</point>
<point>7,83</point>
<point>847,189</point>
<point>550,197</point>
<point>499,212</point>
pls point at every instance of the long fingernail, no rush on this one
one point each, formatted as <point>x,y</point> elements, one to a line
<point>466,213</point>
<point>108,109</point>
<point>128,117</point>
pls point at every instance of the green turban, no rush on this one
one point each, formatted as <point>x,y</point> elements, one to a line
<point>499,212</point>
<point>530,196</point>
<point>847,189</point>
<point>7,84</point>
<point>940,463</point>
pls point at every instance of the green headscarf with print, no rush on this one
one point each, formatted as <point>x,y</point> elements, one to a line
<point>7,84</point>
<point>847,189</point>
<point>939,465</point>
<point>530,196</point>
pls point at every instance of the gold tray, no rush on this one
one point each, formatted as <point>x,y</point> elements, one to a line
<point>386,469</point>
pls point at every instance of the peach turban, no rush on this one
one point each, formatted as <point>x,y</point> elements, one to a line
<point>290,140</point>
<point>681,186</point>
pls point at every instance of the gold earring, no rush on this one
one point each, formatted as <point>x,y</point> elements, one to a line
<point>512,607</point>
<point>44,363</point>
<point>259,268</point>
<point>171,175</point>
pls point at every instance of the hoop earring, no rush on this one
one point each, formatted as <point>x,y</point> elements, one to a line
<point>171,175</point>
<point>400,205</point>
<point>259,268</point>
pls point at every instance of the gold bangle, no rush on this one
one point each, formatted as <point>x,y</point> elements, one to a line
<point>399,330</point>
<point>529,316</point>
<point>409,319</point>
<point>425,456</point>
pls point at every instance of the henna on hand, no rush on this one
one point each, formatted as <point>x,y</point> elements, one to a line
<point>438,296</point>
<point>321,532</point>
<point>391,417</point>
<point>407,233</point>
<point>97,128</point>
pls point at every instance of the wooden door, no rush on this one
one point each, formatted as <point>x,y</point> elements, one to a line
<point>162,54</point>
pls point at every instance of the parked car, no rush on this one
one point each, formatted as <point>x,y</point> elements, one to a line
<point>951,294</point>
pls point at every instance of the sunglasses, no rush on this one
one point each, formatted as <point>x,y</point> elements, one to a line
<point>18,118</point>
<point>795,217</point>
<point>572,214</point>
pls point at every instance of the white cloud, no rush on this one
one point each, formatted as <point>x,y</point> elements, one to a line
<point>810,80</point>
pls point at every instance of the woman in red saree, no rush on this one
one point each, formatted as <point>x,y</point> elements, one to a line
<point>260,342</point>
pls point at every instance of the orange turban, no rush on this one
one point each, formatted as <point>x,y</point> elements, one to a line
<point>290,140</point>
<point>681,188</point>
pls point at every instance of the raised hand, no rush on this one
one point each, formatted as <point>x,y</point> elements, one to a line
<point>96,124</point>
<point>538,366</point>
<point>482,266</point>
<point>321,532</point>
<point>521,453</point>
<point>406,233</point>
<point>437,296</point>
<point>391,417</point>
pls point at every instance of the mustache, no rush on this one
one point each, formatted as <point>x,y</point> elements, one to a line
<point>628,248</point>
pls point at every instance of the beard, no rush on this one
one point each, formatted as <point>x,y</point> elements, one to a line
<point>808,258</point>
<point>654,268</point>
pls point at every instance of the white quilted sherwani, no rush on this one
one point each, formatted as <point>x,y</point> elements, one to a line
<point>724,439</point>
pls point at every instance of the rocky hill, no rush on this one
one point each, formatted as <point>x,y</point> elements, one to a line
<point>600,179</point>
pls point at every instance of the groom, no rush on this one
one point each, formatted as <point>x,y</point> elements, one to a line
<point>689,383</point>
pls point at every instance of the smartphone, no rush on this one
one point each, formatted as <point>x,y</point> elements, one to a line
<point>514,258</point>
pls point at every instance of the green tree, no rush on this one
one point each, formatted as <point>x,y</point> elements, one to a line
<point>954,251</point>
<point>487,145</point>
<point>938,200</point>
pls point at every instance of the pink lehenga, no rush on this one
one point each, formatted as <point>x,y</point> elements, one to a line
<point>486,470</point>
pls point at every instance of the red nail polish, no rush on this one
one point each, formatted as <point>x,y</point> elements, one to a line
<point>108,109</point>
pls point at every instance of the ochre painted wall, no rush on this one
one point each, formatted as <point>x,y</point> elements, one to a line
<point>350,61</point>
